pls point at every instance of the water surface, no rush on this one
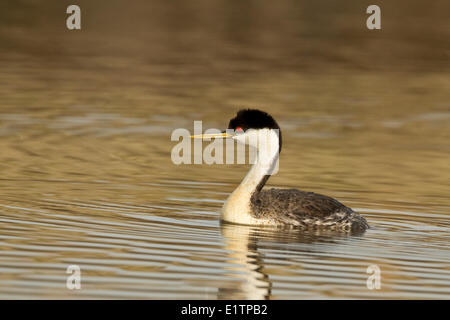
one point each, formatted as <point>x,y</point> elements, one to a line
<point>87,178</point>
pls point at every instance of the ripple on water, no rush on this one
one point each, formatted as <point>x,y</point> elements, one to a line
<point>151,250</point>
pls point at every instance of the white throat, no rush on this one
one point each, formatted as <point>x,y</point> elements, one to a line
<point>237,207</point>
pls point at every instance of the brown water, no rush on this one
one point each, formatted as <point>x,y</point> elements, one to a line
<point>86,174</point>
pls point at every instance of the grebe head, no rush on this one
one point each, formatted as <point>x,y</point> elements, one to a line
<point>255,127</point>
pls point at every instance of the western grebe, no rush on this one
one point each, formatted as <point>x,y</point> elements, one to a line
<point>251,205</point>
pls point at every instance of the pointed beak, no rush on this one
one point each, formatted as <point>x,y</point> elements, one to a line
<point>222,135</point>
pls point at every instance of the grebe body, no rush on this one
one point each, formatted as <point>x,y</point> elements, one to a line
<point>250,204</point>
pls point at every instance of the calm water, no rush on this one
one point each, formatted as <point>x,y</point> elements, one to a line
<point>87,178</point>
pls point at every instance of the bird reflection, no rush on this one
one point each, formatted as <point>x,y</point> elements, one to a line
<point>244,244</point>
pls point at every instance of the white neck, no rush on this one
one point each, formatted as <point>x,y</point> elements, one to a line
<point>237,207</point>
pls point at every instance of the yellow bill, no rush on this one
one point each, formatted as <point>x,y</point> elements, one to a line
<point>212,135</point>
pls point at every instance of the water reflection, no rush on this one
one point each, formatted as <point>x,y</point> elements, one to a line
<point>245,245</point>
<point>85,123</point>
<point>242,251</point>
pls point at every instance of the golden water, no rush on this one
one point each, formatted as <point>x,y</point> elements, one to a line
<point>87,178</point>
